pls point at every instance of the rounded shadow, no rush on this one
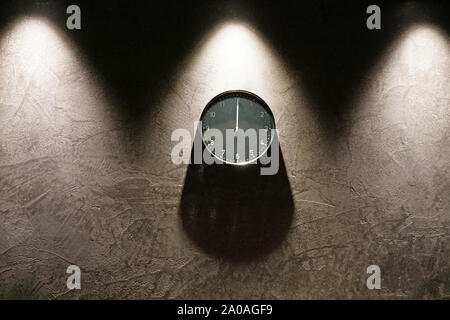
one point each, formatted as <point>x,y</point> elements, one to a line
<point>234,212</point>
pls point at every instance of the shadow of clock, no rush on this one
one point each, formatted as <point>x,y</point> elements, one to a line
<point>233,212</point>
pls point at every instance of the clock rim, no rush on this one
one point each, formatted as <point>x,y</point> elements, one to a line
<point>243,93</point>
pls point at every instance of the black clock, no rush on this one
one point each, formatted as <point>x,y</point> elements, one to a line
<point>238,114</point>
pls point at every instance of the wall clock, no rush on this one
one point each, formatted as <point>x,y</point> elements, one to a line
<point>237,111</point>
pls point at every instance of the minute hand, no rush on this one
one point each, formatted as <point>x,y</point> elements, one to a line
<point>237,114</point>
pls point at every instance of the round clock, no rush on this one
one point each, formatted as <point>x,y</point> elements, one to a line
<point>233,113</point>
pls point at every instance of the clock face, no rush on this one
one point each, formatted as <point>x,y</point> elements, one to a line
<point>245,123</point>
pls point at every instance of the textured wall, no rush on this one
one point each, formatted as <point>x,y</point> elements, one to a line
<point>365,177</point>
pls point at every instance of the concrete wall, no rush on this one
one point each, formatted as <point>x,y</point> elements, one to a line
<point>86,176</point>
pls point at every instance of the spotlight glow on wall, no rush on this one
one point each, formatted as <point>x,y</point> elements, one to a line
<point>50,99</point>
<point>234,56</point>
<point>405,112</point>
<point>412,83</point>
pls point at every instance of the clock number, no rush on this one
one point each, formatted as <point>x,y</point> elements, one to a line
<point>213,114</point>
<point>262,114</point>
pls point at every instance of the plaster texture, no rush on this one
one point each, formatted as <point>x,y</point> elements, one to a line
<point>365,177</point>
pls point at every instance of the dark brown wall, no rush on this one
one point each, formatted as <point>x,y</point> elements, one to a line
<point>86,176</point>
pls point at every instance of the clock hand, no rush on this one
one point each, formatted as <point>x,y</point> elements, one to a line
<point>237,114</point>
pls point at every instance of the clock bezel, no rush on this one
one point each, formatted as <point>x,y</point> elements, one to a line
<point>238,93</point>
